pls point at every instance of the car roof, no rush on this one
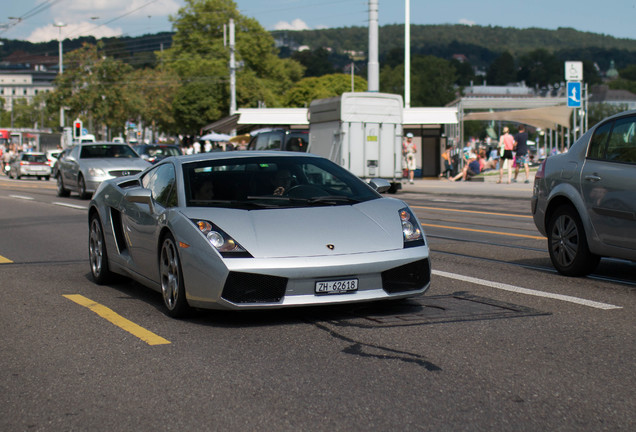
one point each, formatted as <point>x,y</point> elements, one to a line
<point>197,157</point>
<point>88,143</point>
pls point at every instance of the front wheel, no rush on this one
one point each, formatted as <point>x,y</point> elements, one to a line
<point>172,286</point>
<point>81,187</point>
<point>567,243</point>
<point>97,255</point>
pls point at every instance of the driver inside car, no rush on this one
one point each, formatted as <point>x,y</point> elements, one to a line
<point>282,182</point>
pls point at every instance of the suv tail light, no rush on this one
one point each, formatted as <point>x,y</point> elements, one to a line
<point>541,171</point>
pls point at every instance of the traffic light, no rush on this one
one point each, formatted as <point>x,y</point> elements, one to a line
<point>77,129</point>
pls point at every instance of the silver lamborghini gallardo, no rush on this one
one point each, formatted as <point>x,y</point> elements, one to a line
<point>249,230</point>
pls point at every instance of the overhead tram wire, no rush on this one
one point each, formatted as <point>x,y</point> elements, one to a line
<point>116,18</point>
<point>29,14</point>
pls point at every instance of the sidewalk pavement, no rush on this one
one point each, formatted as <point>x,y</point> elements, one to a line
<point>487,188</point>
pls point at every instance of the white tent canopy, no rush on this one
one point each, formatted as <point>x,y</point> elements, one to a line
<point>545,118</point>
<point>213,136</point>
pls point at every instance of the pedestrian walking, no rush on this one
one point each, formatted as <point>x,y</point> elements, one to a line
<point>506,146</point>
<point>521,149</point>
<point>408,152</point>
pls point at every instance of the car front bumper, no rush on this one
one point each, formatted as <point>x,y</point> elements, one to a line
<point>252,283</point>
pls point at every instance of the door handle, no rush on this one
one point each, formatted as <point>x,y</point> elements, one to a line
<point>593,178</point>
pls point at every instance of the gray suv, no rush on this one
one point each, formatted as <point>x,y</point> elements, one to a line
<point>584,200</point>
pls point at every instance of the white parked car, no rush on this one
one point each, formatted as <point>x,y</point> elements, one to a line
<point>30,164</point>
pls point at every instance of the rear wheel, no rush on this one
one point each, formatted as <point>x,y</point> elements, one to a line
<point>172,286</point>
<point>61,190</point>
<point>97,255</point>
<point>567,243</point>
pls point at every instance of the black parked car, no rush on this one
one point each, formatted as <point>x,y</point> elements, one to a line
<point>280,139</point>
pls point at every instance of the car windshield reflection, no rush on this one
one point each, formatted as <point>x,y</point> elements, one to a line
<point>272,182</point>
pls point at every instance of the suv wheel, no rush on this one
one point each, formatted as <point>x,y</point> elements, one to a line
<point>567,243</point>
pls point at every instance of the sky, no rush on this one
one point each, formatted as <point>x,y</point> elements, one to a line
<point>34,20</point>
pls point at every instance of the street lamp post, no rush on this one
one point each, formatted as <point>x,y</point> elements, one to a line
<point>59,25</point>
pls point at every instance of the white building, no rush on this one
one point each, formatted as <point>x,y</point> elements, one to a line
<point>24,84</point>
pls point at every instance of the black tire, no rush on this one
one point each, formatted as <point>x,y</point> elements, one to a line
<point>47,178</point>
<point>97,254</point>
<point>81,187</point>
<point>171,276</point>
<point>567,243</point>
<point>61,190</point>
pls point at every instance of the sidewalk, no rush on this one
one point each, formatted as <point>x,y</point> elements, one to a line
<point>488,187</point>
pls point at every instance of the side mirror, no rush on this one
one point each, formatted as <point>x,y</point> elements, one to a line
<point>140,196</point>
<point>380,185</point>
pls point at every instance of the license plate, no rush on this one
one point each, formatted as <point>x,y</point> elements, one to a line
<point>337,286</point>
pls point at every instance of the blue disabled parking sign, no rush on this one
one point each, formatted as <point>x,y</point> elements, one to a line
<point>574,94</point>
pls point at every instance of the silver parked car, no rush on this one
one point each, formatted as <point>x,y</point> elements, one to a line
<point>584,201</point>
<point>251,230</point>
<point>87,165</point>
<point>30,164</point>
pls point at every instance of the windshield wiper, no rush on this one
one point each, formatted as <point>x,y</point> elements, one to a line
<point>332,199</point>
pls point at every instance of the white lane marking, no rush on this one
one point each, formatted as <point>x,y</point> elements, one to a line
<point>526,291</point>
<point>69,205</point>
<point>22,197</point>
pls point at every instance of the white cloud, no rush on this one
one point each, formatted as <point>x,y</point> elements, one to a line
<point>72,31</point>
<point>467,22</point>
<point>296,24</point>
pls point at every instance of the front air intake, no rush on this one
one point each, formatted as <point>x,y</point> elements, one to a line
<point>254,288</point>
<point>409,277</point>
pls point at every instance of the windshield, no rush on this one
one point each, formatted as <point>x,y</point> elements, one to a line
<point>107,151</point>
<point>271,182</point>
<point>161,152</point>
<point>34,158</point>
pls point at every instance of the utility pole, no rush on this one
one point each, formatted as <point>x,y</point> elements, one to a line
<point>232,70</point>
<point>59,25</point>
<point>407,53</point>
<point>374,65</point>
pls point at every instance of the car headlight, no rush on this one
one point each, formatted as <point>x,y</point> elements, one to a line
<point>222,242</point>
<point>96,172</point>
<point>411,230</point>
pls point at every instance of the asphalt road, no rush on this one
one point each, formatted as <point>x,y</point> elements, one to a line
<point>500,341</point>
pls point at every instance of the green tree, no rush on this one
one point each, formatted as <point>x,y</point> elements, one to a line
<point>151,94</point>
<point>502,70</point>
<point>540,68</point>
<point>316,62</point>
<point>92,88</point>
<point>201,62</point>
<point>432,81</point>
<point>322,87</point>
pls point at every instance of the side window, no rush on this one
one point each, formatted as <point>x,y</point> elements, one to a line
<point>297,142</point>
<point>275,140</point>
<point>75,152</point>
<point>621,146</point>
<point>261,141</point>
<point>162,183</point>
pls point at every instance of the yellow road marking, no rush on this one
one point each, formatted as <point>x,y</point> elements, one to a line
<point>472,211</point>
<point>4,260</point>
<point>108,314</point>
<point>486,232</point>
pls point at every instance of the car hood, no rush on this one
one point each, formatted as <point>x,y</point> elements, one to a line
<point>372,226</point>
<point>116,163</point>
